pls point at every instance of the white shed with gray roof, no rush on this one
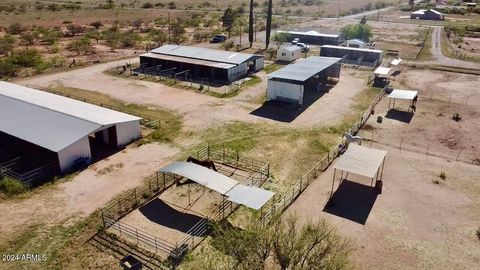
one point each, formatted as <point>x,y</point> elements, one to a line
<point>59,125</point>
<point>289,53</point>
<point>295,81</point>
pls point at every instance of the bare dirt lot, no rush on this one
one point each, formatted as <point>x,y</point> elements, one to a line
<point>202,111</point>
<point>431,129</point>
<point>85,192</point>
<point>415,223</point>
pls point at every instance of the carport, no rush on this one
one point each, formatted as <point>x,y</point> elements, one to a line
<point>403,95</point>
<point>363,161</point>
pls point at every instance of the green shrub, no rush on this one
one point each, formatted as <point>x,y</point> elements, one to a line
<point>12,187</point>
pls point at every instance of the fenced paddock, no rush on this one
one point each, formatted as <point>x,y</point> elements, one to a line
<point>156,216</point>
<point>177,78</point>
<point>282,202</point>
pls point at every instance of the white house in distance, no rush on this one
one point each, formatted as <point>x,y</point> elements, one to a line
<point>356,43</point>
<point>41,127</point>
<point>289,53</point>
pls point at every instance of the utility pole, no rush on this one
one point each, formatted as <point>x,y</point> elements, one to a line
<point>255,27</point>
<point>168,27</point>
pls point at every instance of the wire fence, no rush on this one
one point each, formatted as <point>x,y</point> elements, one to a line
<point>159,182</point>
<point>32,177</point>
<point>146,121</point>
<point>281,204</point>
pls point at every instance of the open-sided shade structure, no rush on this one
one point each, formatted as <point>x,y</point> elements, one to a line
<point>403,94</point>
<point>382,71</point>
<point>361,160</point>
<point>252,197</point>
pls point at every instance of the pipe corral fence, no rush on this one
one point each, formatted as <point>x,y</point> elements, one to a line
<point>158,183</point>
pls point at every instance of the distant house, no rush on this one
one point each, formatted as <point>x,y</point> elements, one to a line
<point>314,37</point>
<point>427,14</point>
<point>356,43</point>
<point>289,53</point>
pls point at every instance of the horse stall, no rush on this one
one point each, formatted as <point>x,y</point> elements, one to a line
<point>208,186</point>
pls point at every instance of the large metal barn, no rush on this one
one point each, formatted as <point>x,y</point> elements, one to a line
<point>43,133</point>
<point>355,56</point>
<point>200,63</point>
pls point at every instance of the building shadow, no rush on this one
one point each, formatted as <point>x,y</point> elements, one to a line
<point>352,201</point>
<point>287,112</point>
<point>396,73</point>
<point>163,214</point>
<point>401,116</point>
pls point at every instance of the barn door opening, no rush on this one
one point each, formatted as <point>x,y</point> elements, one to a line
<point>112,137</point>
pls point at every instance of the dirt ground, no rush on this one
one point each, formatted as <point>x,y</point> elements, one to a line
<point>87,191</point>
<point>414,224</point>
<point>203,111</point>
<point>431,128</point>
<point>172,214</point>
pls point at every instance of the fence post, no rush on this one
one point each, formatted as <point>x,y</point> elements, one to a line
<point>156,248</point>
<point>136,232</point>
<point>158,186</point>
<point>164,181</point>
<point>135,194</point>
<point>208,151</point>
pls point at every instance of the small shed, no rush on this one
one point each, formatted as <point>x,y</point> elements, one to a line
<point>356,43</point>
<point>289,53</point>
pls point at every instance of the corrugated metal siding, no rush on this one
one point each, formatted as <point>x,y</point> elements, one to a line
<point>259,64</point>
<point>287,90</point>
<point>289,54</point>
<point>128,132</point>
<point>79,149</point>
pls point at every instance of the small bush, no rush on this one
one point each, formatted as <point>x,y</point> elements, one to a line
<point>12,187</point>
<point>443,176</point>
<point>147,5</point>
<point>478,233</point>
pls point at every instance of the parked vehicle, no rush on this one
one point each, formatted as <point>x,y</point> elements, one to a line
<point>304,47</point>
<point>218,39</point>
<point>295,41</point>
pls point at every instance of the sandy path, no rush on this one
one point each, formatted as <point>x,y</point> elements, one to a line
<point>442,59</point>
<point>87,191</point>
<point>414,223</point>
<point>202,111</point>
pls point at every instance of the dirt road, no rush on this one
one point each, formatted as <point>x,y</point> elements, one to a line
<point>87,191</point>
<point>203,111</point>
<point>442,59</point>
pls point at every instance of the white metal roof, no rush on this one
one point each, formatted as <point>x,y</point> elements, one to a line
<point>396,61</point>
<point>199,62</point>
<point>291,48</point>
<point>356,40</point>
<point>351,48</point>
<point>361,160</point>
<point>64,105</point>
<point>436,11</point>
<point>403,94</point>
<point>419,12</point>
<point>252,197</point>
<point>382,70</point>
<point>204,176</point>
<point>310,33</point>
<point>51,121</point>
<point>204,54</point>
<point>304,69</point>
